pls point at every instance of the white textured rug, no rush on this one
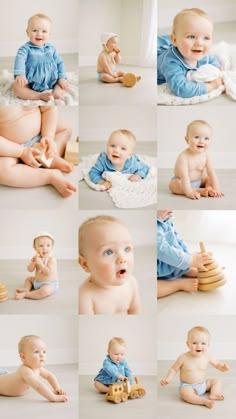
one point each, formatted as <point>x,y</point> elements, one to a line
<point>226,54</point>
<point>7,97</point>
<point>124,193</point>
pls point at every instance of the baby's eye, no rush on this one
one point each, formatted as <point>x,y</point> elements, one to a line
<point>123,148</point>
<point>196,137</point>
<point>108,252</point>
<point>206,138</point>
<point>128,249</point>
<point>191,36</point>
<point>112,145</point>
<point>207,38</point>
<point>36,352</point>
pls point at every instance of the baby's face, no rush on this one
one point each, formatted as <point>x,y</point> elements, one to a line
<point>198,343</point>
<point>163,214</point>
<point>198,138</point>
<point>112,43</point>
<point>34,354</point>
<point>117,353</point>
<point>119,149</point>
<point>193,38</point>
<point>43,246</point>
<point>38,31</point>
<point>109,254</point>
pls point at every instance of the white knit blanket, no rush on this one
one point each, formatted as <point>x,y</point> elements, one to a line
<point>7,97</point>
<point>226,54</point>
<point>124,193</point>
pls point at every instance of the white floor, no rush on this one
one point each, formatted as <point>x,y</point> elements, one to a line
<point>34,405</point>
<point>166,199</point>
<point>65,301</point>
<point>94,92</point>
<point>93,404</point>
<point>170,406</point>
<point>220,301</point>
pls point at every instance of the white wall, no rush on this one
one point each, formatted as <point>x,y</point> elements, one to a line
<point>138,332</point>
<point>218,10</point>
<point>70,115</point>
<point>171,130</point>
<point>15,14</point>
<point>58,332</point>
<point>18,229</point>
<point>118,16</point>
<point>171,336</point>
<point>97,123</point>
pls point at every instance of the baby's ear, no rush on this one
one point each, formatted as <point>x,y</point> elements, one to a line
<point>173,39</point>
<point>83,263</point>
<point>186,139</point>
<point>187,343</point>
<point>22,356</point>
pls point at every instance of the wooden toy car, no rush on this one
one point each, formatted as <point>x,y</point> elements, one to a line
<point>120,392</point>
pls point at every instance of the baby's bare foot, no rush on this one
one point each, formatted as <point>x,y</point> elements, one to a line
<point>189,284</point>
<point>204,192</point>
<point>216,396</point>
<point>139,78</point>
<point>60,398</point>
<point>20,293</point>
<point>208,403</point>
<point>61,164</point>
<point>46,96</point>
<point>62,185</point>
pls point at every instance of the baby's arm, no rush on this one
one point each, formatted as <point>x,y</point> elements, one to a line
<point>219,365</point>
<point>97,170</point>
<point>32,265</point>
<point>135,305</point>
<point>52,381</point>
<point>173,371</point>
<point>213,178</point>
<point>33,381</point>
<point>141,170</point>
<point>105,65</point>
<point>85,300</point>
<point>181,171</point>
<point>19,67</point>
<point>26,154</point>
<point>198,260</point>
<point>49,118</point>
<point>47,269</point>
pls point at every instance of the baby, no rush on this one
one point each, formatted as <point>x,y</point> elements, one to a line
<point>192,366</point>
<point>106,253</point>
<point>115,367</point>
<point>189,179</point>
<point>186,49</point>
<point>32,351</point>
<point>174,260</point>
<point>20,128</point>
<point>119,156</point>
<point>45,282</point>
<point>38,67</point>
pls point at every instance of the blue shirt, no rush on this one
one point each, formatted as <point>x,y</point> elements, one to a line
<point>172,252</point>
<point>132,165</point>
<point>172,69</point>
<point>110,371</point>
<point>42,66</point>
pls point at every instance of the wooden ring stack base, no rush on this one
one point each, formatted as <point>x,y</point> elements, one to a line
<point>3,293</point>
<point>213,277</point>
<point>129,80</point>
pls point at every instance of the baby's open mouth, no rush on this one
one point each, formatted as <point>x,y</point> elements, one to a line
<point>115,157</point>
<point>198,350</point>
<point>121,273</point>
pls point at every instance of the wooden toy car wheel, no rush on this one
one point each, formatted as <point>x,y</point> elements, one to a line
<point>117,399</point>
<point>133,394</point>
<point>124,397</point>
<point>141,392</point>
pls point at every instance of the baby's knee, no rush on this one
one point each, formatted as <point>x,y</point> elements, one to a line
<point>46,291</point>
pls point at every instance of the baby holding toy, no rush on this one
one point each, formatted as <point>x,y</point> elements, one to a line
<point>45,282</point>
<point>189,177</point>
<point>174,260</point>
<point>20,128</point>
<point>106,253</point>
<point>119,156</point>
<point>38,67</point>
<point>187,49</point>
<point>192,366</point>
<point>32,351</point>
<point>115,367</point>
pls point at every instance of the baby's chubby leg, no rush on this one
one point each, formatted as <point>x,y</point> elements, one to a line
<point>28,285</point>
<point>101,387</point>
<point>40,293</point>
<point>214,386</point>
<point>108,78</point>
<point>188,394</point>
<point>165,287</point>
<point>26,93</point>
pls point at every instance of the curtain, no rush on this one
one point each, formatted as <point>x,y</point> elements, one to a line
<point>148,47</point>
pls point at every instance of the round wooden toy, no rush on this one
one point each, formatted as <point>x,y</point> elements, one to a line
<point>3,293</point>
<point>213,277</point>
<point>129,80</point>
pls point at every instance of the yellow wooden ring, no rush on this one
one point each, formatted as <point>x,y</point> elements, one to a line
<point>206,274</point>
<point>213,285</point>
<point>129,80</point>
<point>210,266</point>
<point>210,279</point>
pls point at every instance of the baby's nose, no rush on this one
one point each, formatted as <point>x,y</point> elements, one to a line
<point>121,258</point>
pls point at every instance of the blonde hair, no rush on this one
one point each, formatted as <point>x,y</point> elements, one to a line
<point>194,11</point>
<point>23,342</point>
<point>126,133</point>
<point>115,341</point>
<point>98,220</point>
<point>39,16</point>
<point>195,122</point>
<point>200,329</point>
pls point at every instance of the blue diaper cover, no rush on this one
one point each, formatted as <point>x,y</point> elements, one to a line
<point>40,284</point>
<point>194,184</point>
<point>33,141</point>
<point>199,388</point>
<point>2,372</point>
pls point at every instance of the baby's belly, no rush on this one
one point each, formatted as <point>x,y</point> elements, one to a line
<point>20,124</point>
<point>196,174</point>
<point>193,377</point>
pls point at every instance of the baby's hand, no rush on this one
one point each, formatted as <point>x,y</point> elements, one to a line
<point>122,378</point>
<point>116,50</point>
<point>164,382</point>
<point>28,156</point>
<point>193,194</point>
<point>50,145</point>
<point>63,83</point>
<point>212,85</point>
<point>223,367</point>
<point>21,80</point>
<point>105,183</point>
<point>199,260</point>
<point>59,391</point>
<point>135,178</point>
